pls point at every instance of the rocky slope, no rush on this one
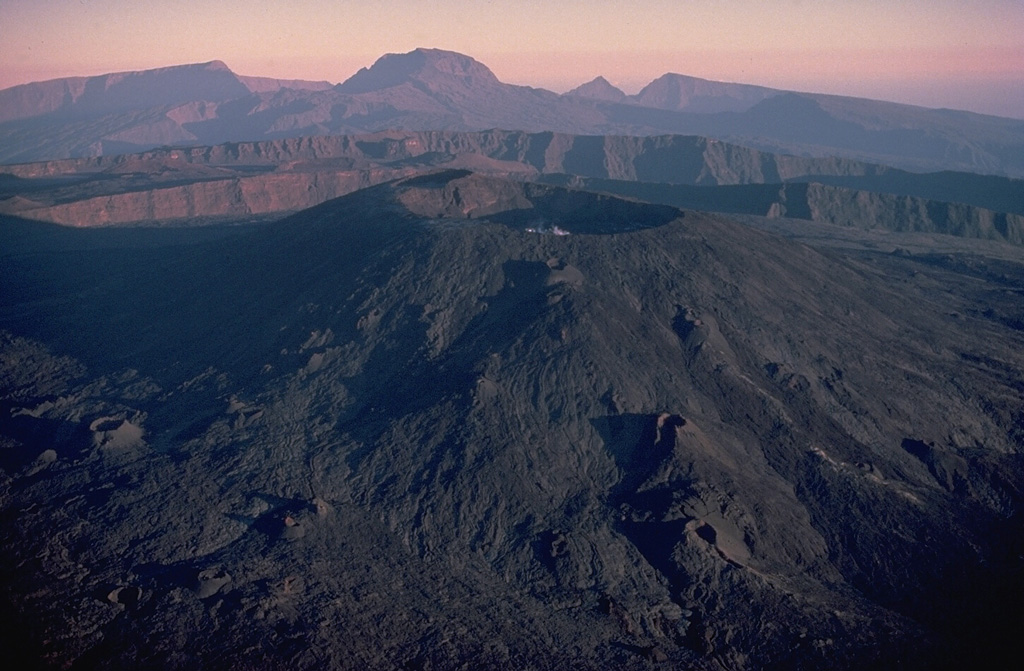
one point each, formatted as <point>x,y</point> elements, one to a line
<point>417,426</point>
<point>198,202</point>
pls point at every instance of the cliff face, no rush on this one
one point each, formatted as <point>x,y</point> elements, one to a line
<point>243,179</point>
<point>293,174</point>
<point>236,198</point>
<point>671,159</point>
<point>828,204</point>
<point>864,209</point>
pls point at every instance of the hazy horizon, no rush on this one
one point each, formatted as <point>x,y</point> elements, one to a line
<point>942,53</point>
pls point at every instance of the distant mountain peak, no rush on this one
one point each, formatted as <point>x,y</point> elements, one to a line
<point>676,92</point>
<point>422,65</point>
<point>598,88</point>
<point>215,65</point>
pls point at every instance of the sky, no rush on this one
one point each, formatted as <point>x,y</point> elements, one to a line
<point>937,53</point>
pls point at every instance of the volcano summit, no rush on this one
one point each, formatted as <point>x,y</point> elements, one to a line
<point>414,428</point>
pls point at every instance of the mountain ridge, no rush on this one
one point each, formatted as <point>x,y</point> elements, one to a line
<point>211,81</point>
<point>431,89</point>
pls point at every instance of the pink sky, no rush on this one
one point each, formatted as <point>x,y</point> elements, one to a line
<point>941,53</point>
